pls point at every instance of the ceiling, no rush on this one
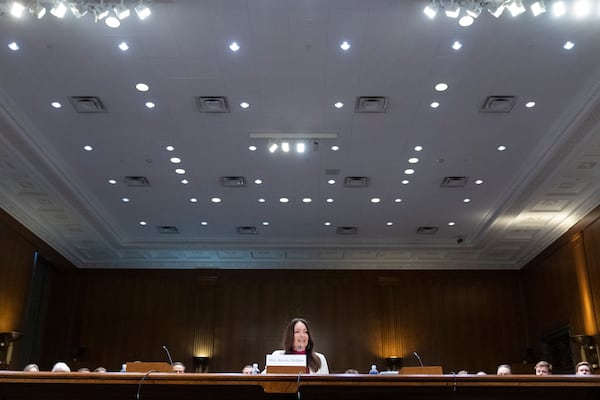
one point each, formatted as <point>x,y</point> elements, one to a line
<point>291,71</point>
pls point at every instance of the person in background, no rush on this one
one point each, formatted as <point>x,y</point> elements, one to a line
<point>247,369</point>
<point>543,368</point>
<point>31,368</point>
<point>481,373</point>
<point>504,369</point>
<point>351,371</point>
<point>297,339</point>
<point>178,367</point>
<point>83,370</point>
<point>61,367</point>
<point>100,369</point>
<point>583,368</point>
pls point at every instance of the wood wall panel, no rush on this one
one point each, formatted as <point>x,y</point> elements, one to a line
<point>591,239</point>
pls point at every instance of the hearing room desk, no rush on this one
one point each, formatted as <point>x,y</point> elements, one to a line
<point>132,386</point>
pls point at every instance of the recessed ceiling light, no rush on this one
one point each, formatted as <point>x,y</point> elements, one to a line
<point>581,8</point>
<point>413,160</point>
<point>327,223</point>
<point>261,200</point>
<point>243,104</point>
<point>389,223</point>
<point>339,104</point>
<point>252,148</point>
<point>456,45</point>
<point>441,87</point>
<point>175,160</point>
<point>331,181</point>
<point>123,46</point>
<point>258,181</point>
<point>375,200</point>
<point>300,147</point>
<point>203,223</point>
<point>466,200</point>
<point>194,200</point>
<point>434,104</point>
<point>142,87</point>
<point>397,200</point>
<point>568,45</point>
<point>418,148</point>
<point>150,104</point>
<point>184,181</point>
<point>307,200</point>
<point>478,182</point>
<point>112,181</point>
<point>216,200</point>
<point>265,223</point>
<point>13,46</point>
<point>56,104</point>
<point>234,46</point>
<point>409,171</point>
<point>335,148</point>
<point>501,148</point>
<point>405,182</point>
<point>125,200</point>
<point>170,148</point>
<point>143,223</point>
<point>88,148</point>
<point>345,46</point>
<point>180,171</point>
<point>530,104</point>
<point>330,200</point>
<point>284,200</point>
<point>451,223</point>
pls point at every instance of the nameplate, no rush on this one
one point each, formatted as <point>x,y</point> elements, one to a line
<point>292,360</point>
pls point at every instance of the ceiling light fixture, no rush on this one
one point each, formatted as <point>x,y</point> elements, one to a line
<point>17,9</point>
<point>59,9</point>
<point>537,8</point>
<point>142,11</point>
<point>100,9</point>
<point>453,9</point>
<point>432,9</point>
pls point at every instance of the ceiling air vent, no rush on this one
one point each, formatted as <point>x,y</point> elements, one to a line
<point>233,181</point>
<point>454,181</point>
<point>167,229</point>
<point>498,104</point>
<point>247,230</point>
<point>87,104</point>
<point>371,104</point>
<point>136,181</point>
<point>356,181</point>
<point>427,230</point>
<point>213,104</point>
<point>346,230</point>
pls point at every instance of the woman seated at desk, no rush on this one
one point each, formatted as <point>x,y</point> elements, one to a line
<point>298,340</point>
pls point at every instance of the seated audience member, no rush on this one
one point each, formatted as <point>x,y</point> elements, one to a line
<point>61,367</point>
<point>462,372</point>
<point>481,373</point>
<point>351,371</point>
<point>247,369</point>
<point>297,339</point>
<point>83,370</point>
<point>178,367</point>
<point>583,368</point>
<point>543,368</point>
<point>504,369</point>
<point>31,368</point>
<point>100,369</point>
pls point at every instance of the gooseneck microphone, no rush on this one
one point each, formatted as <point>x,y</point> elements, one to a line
<point>418,358</point>
<point>168,354</point>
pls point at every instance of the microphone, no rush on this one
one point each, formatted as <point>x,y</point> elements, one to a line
<point>418,358</point>
<point>168,354</point>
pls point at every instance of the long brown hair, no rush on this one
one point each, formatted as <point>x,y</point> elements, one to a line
<point>312,360</point>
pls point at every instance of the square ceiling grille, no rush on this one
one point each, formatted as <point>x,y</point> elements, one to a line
<point>233,181</point>
<point>247,230</point>
<point>498,104</point>
<point>213,104</point>
<point>427,230</point>
<point>346,230</point>
<point>371,104</point>
<point>356,181</point>
<point>136,181</point>
<point>87,104</point>
<point>454,181</point>
<point>167,230</point>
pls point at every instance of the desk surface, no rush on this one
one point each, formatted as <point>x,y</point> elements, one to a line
<point>155,385</point>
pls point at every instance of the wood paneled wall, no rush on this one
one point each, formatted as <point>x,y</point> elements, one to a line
<point>470,320</point>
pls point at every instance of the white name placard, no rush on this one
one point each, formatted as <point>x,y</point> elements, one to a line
<point>286,360</point>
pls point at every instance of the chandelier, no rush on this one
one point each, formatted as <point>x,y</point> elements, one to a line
<point>112,12</point>
<point>467,11</point>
